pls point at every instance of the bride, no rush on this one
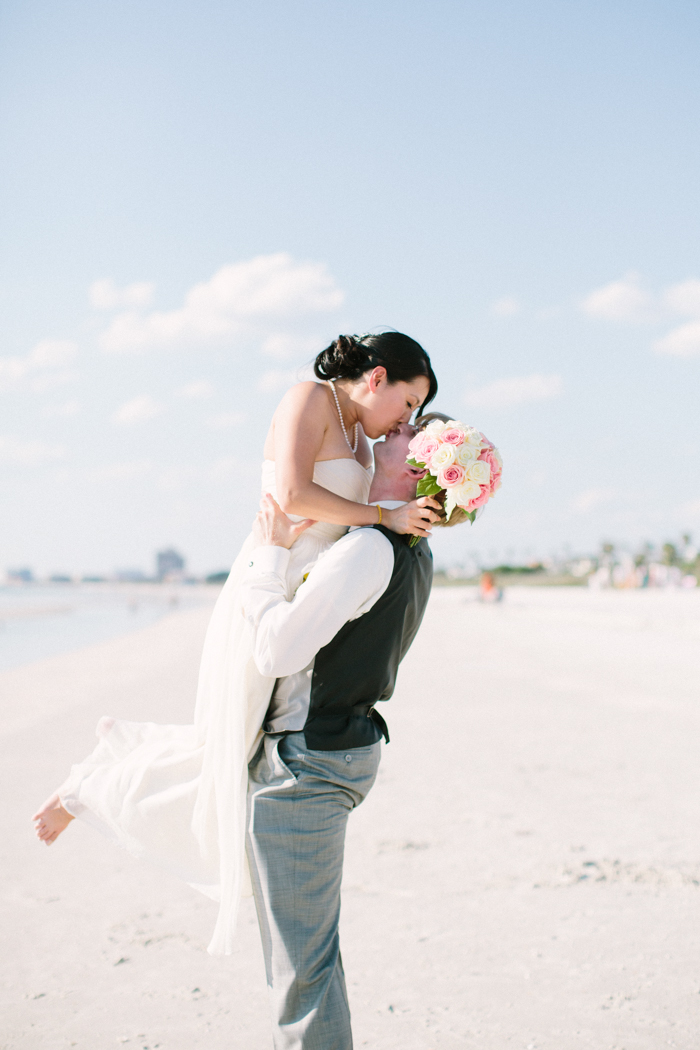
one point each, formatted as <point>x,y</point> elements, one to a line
<point>176,795</point>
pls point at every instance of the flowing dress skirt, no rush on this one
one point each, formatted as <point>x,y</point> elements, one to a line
<point>175,795</point>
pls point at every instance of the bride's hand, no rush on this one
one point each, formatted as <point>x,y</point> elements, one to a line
<point>272,527</point>
<point>415,518</point>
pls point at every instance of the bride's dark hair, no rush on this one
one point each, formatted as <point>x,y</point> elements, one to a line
<point>350,356</point>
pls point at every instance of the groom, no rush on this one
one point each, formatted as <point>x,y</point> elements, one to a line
<point>334,650</point>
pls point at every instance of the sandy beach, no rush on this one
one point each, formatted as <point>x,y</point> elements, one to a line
<point>525,873</point>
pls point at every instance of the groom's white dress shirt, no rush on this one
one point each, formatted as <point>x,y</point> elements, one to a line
<point>343,585</point>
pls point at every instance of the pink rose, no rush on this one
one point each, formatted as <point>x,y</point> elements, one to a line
<point>452,475</point>
<point>452,436</point>
<point>488,457</point>
<point>423,446</point>
<point>485,440</point>
<point>483,497</point>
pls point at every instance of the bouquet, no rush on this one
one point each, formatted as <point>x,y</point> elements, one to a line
<point>460,461</point>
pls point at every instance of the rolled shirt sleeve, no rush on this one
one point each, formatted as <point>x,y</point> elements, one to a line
<point>344,584</point>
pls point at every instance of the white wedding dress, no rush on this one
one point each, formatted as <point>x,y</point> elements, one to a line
<point>176,794</point>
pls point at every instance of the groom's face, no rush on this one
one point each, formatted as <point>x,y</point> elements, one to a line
<point>392,452</point>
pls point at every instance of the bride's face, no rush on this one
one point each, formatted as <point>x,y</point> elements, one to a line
<point>383,406</point>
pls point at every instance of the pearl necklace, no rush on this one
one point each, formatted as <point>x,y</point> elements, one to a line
<point>356,436</point>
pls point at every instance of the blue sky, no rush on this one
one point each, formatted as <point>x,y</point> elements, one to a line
<point>198,197</point>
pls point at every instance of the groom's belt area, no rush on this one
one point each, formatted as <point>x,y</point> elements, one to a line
<point>338,728</point>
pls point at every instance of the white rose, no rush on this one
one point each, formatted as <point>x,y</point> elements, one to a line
<point>444,456</point>
<point>465,493</point>
<point>436,427</point>
<point>466,454</point>
<point>479,472</point>
<point>473,437</point>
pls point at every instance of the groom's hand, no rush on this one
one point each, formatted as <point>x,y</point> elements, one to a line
<point>272,527</point>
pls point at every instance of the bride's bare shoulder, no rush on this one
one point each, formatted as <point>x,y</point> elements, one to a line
<point>304,397</point>
<point>303,412</point>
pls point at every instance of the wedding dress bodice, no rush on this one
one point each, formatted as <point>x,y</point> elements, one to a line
<point>344,477</point>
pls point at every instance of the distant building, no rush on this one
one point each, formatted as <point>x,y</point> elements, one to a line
<point>169,564</point>
<point>20,576</point>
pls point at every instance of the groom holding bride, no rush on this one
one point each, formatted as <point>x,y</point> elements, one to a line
<point>303,643</point>
<point>334,650</point>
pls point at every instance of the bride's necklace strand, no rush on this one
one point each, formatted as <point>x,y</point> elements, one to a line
<point>356,436</point>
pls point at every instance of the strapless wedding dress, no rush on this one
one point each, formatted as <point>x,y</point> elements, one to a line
<point>176,794</point>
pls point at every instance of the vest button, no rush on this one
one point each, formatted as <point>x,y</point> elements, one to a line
<point>250,565</point>
<point>348,758</point>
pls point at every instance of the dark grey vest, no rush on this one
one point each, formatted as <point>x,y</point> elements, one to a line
<point>358,667</point>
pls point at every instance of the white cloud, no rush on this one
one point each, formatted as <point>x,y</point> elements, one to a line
<point>625,300</point>
<point>505,307</point>
<point>505,393</point>
<point>277,380</point>
<point>285,347</point>
<point>592,498</point>
<point>198,390</point>
<point>105,295</point>
<point>683,341</point>
<point>228,467</point>
<point>138,410</point>
<point>120,471</point>
<point>53,353</point>
<point>226,420</point>
<point>48,359</point>
<point>243,297</point>
<point>224,468</point>
<point>107,473</point>
<point>62,411</point>
<point>176,478</point>
<point>28,453</point>
<point>684,298</point>
<point>690,509</point>
<point>622,300</point>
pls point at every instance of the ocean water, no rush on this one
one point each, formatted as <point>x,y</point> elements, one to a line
<point>39,621</point>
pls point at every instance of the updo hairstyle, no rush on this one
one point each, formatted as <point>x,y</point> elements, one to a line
<point>350,356</point>
<point>458,515</point>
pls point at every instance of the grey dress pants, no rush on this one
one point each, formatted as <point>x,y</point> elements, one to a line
<point>298,805</point>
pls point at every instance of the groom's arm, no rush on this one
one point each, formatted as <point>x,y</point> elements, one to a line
<point>344,584</point>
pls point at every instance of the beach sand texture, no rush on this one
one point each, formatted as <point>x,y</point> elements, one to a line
<point>525,873</point>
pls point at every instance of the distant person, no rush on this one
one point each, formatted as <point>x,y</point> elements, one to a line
<point>488,590</point>
<point>177,794</point>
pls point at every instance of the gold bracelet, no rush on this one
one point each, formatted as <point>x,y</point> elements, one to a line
<point>379,519</point>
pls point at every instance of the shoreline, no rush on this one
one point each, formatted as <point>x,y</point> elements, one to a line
<point>88,615</point>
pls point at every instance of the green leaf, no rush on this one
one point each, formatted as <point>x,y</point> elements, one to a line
<point>428,486</point>
<point>412,462</point>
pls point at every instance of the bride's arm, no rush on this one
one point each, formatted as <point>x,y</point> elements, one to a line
<point>299,429</point>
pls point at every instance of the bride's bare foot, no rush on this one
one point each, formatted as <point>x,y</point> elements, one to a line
<point>51,820</point>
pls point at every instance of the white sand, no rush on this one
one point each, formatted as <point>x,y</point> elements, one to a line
<point>525,873</point>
